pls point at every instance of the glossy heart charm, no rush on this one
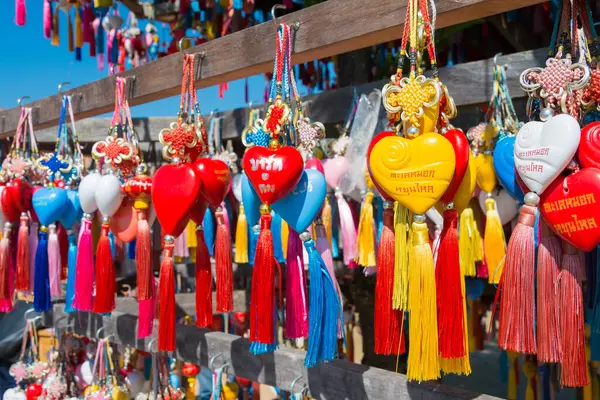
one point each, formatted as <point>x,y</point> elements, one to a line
<point>589,146</point>
<point>570,207</point>
<point>414,172</point>
<point>109,195</point>
<point>504,164</point>
<point>198,210</point>
<point>236,187</point>
<point>486,175</point>
<point>123,223</point>
<point>21,194</point>
<point>251,202</point>
<point>72,212</point>
<point>544,149</point>
<point>374,141</point>
<point>9,209</point>
<point>314,163</point>
<point>49,204</point>
<point>335,168</point>
<point>273,172</point>
<point>87,192</point>
<point>175,190</point>
<point>216,178</point>
<point>464,194</point>
<point>507,206</point>
<point>300,208</point>
<point>462,151</point>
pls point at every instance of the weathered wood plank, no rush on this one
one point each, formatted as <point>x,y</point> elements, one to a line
<point>336,380</point>
<point>327,29</point>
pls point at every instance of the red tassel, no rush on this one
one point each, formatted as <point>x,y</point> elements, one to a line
<point>23,259</point>
<point>388,322</point>
<point>263,287</point>
<point>166,298</point>
<point>450,301</point>
<point>517,304</point>
<point>5,263</point>
<point>574,363</point>
<point>106,282</point>
<point>223,264</point>
<point>20,13</point>
<point>47,17</point>
<point>63,242</point>
<point>548,315</point>
<point>143,258</point>
<point>204,314</point>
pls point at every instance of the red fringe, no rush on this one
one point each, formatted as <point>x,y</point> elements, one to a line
<point>263,287</point>
<point>517,303</point>
<point>143,258</point>
<point>224,266</point>
<point>388,322</point>
<point>204,314</point>
<point>5,265</point>
<point>63,243</point>
<point>106,279</point>
<point>166,295</point>
<point>23,256</point>
<point>450,301</point>
<point>574,363</point>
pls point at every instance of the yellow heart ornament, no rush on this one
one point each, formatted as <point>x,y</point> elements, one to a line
<point>464,194</point>
<point>416,172</point>
<point>486,174</point>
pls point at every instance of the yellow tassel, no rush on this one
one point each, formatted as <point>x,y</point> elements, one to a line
<point>55,37</point>
<point>423,358</point>
<point>465,243</point>
<point>78,29</point>
<point>494,242</point>
<point>401,221</point>
<point>366,237</point>
<point>192,243</point>
<point>285,231</point>
<point>241,238</point>
<point>327,218</point>
<point>190,393</point>
<point>70,33</point>
<point>462,365</point>
<point>530,371</point>
<point>512,375</point>
<point>477,242</point>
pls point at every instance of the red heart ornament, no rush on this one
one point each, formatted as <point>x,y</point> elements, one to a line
<point>216,179</point>
<point>570,206</point>
<point>22,194</point>
<point>32,213</point>
<point>589,146</point>
<point>197,212</point>
<point>374,141</point>
<point>9,208</point>
<point>175,190</point>
<point>273,172</point>
<point>461,147</point>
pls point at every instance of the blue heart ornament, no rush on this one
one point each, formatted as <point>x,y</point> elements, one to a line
<point>73,211</point>
<point>50,204</point>
<point>302,205</point>
<point>504,164</point>
<point>251,202</point>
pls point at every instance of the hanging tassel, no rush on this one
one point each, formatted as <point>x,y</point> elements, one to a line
<point>466,243</point>
<point>548,316</point>
<point>224,267</point>
<point>493,241</point>
<point>423,360</point>
<point>296,321</point>
<point>209,232</point>
<point>33,243</point>
<point>348,229</point>
<point>87,16</point>
<point>78,34</point>
<point>47,17</point>
<point>5,294</point>
<point>322,246</point>
<point>263,287</point>
<point>530,372</point>
<point>241,238</point>
<point>63,244</point>
<point>54,261</point>
<point>71,271</point>
<point>389,339</point>
<point>276,224</point>
<point>55,37</point>
<point>204,313</point>
<point>285,233</point>
<point>146,309</point>
<point>574,364</point>
<point>401,228</point>
<point>166,289</point>
<point>71,40</point>
<point>23,262</point>
<point>20,12</point>
<point>366,240</point>
<point>326,218</point>
<point>106,282</point>
<point>517,303</point>
<point>254,234</point>
<point>143,257</point>
<point>84,280</point>
<point>41,290</point>
<point>99,43</point>
<point>451,332</point>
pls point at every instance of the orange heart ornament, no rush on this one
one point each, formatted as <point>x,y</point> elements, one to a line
<point>416,172</point>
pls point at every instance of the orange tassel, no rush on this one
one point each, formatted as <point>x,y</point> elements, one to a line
<point>166,296</point>
<point>204,315</point>
<point>143,258</point>
<point>106,278</point>
<point>223,264</point>
<point>23,259</point>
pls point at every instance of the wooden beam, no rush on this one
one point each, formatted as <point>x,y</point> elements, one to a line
<point>327,29</point>
<point>335,380</point>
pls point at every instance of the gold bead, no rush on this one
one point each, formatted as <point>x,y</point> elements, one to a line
<point>274,144</point>
<point>265,209</point>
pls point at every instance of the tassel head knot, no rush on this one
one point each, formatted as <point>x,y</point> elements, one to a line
<point>527,215</point>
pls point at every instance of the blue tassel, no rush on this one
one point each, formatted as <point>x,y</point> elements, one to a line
<point>77,53</point>
<point>378,215</point>
<point>257,348</point>
<point>111,239</point>
<point>100,12</point>
<point>335,248</point>
<point>209,232</point>
<point>253,233</point>
<point>544,376</point>
<point>41,283</point>
<point>277,245</point>
<point>114,51</point>
<point>131,250</point>
<point>71,272</point>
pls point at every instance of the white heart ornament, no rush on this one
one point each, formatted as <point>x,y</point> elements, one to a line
<point>14,394</point>
<point>87,192</point>
<point>135,383</point>
<point>236,186</point>
<point>507,206</point>
<point>544,149</point>
<point>109,195</point>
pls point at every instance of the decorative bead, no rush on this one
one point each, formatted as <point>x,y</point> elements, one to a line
<point>532,199</point>
<point>546,114</point>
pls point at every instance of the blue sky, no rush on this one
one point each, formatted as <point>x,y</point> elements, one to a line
<point>31,66</point>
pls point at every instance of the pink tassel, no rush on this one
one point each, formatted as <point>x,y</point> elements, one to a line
<point>87,16</point>
<point>296,322</point>
<point>5,266</point>
<point>20,12</point>
<point>54,264</point>
<point>47,19</point>
<point>6,305</point>
<point>146,314</point>
<point>226,216</point>
<point>33,244</point>
<point>23,262</point>
<point>348,229</point>
<point>84,280</point>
